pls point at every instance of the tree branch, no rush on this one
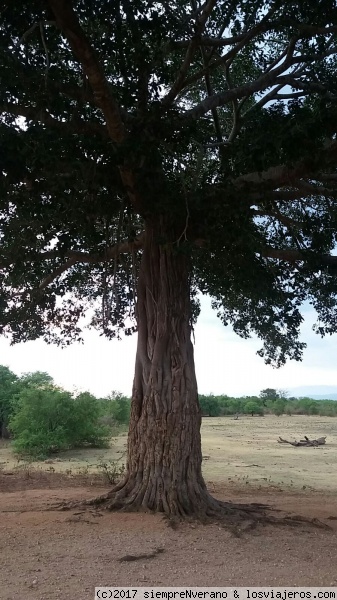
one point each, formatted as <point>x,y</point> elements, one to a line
<point>32,113</point>
<point>291,96</point>
<point>264,26</point>
<point>272,76</point>
<point>209,90</point>
<point>67,21</point>
<point>75,257</point>
<point>223,59</point>
<point>219,42</point>
<point>82,94</point>
<point>306,86</point>
<point>287,195</point>
<point>294,256</point>
<point>287,221</point>
<point>263,82</point>
<point>207,41</point>
<point>191,48</point>
<point>310,30</point>
<point>69,263</point>
<point>32,29</point>
<point>284,175</point>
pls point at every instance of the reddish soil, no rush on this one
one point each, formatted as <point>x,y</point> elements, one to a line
<point>53,555</point>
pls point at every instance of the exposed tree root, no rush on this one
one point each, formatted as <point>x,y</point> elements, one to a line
<point>238,518</point>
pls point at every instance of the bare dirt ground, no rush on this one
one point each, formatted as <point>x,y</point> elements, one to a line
<point>52,555</point>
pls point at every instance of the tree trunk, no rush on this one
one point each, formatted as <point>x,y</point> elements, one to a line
<point>164,444</point>
<point>4,433</point>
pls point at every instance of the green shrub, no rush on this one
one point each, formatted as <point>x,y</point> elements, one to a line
<point>253,408</point>
<point>48,420</point>
<point>210,406</point>
<point>279,407</point>
<point>115,409</point>
<point>85,428</point>
<point>112,471</point>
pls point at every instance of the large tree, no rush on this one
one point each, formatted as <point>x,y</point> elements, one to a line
<point>151,151</point>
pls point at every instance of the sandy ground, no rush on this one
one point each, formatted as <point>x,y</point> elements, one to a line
<point>51,555</point>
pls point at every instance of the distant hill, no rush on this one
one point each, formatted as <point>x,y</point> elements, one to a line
<point>317,392</point>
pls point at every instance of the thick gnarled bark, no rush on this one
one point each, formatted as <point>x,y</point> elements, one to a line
<point>164,446</point>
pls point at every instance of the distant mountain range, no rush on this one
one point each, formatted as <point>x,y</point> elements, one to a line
<point>317,392</point>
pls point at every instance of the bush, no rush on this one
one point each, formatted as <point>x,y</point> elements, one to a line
<point>85,429</point>
<point>48,420</point>
<point>279,407</point>
<point>112,471</point>
<point>253,407</point>
<point>115,409</point>
<point>121,410</point>
<point>210,406</point>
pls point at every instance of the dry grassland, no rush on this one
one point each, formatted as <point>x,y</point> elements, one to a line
<point>235,452</point>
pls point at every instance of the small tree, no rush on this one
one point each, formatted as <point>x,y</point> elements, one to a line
<point>253,408</point>
<point>36,379</point>
<point>269,395</point>
<point>279,407</point>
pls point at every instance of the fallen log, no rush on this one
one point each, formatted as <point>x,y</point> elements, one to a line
<point>306,442</point>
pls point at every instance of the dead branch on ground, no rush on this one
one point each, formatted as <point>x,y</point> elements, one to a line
<point>306,442</point>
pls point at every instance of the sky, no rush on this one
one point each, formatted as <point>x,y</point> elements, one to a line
<point>225,363</point>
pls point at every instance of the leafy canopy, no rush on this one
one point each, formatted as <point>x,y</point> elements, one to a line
<point>221,116</point>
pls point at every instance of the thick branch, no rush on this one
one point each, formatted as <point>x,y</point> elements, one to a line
<point>308,30</point>
<point>69,24</point>
<point>287,221</point>
<point>243,41</point>
<point>260,84</point>
<point>294,256</point>
<point>69,263</point>
<point>284,175</point>
<point>288,255</point>
<point>306,86</point>
<point>34,114</point>
<point>287,195</point>
<point>75,257</point>
<point>269,78</point>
